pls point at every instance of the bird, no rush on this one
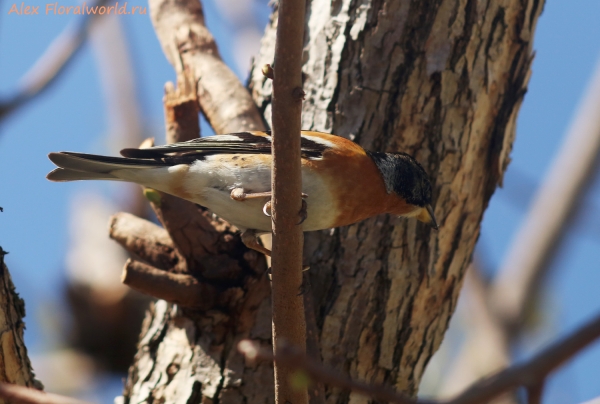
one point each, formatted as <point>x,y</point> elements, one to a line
<point>230,174</point>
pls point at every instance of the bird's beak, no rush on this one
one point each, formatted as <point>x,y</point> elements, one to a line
<point>426,216</point>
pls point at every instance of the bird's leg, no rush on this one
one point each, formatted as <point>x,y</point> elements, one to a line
<point>305,285</point>
<point>303,213</point>
<point>240,195</point>
<point>250,240</point>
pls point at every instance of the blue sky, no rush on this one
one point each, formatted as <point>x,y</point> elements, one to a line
<point>72,116</point>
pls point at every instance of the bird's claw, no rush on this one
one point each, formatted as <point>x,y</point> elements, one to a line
<point>238,194</point>
<point>304,287</point>
<point>303,212</point>
<point>267,209</point>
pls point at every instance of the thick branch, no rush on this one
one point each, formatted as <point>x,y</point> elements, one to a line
<point>192,230</point>
<point>182,289</point>
<point>145,240</point>
<point>24,395</point>
<point>289,324</point>
<point>187,43</point>
<point>181,109</point>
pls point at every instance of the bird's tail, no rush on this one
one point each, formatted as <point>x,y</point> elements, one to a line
<point>81,166</point>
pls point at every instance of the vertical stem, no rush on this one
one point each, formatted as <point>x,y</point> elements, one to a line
<point>289,325</point>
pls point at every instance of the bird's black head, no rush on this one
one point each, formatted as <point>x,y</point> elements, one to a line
<point>403,175</point>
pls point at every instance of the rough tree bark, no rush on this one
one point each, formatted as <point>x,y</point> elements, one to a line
<point>442,80</point>
<point>15,367</point>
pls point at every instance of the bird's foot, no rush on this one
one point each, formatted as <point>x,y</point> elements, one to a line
<point>250,240</point>
<point>304,281</point>
<point>305,286</point>
<point>303,213</point>
<point>240,195</point>
<point>267,208</point>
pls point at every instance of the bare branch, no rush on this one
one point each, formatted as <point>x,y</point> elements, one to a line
<point>181,109</point>
<point>51,64</point>
<point>530,374</point>
<point>182,289</point>
<point>194,231</point>
<point>25,395</point>
<point>187,43</point>
<point>144,239</point>
<point>535,370</point>
<point>289,324</point>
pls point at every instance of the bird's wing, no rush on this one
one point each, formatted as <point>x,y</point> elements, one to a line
<point>312,145</point>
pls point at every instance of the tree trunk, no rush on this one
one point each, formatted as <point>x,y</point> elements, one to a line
<point>441,80</point>
<point>15,367</point>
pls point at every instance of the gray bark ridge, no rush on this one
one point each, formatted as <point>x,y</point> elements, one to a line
<point>442,80</point>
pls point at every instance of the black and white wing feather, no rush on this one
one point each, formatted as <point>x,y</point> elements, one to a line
<point>234,143</point>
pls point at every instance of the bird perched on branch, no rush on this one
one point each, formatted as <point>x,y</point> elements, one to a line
<point>231,175</point>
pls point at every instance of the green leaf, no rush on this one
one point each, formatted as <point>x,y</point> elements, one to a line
<point>153,196</point>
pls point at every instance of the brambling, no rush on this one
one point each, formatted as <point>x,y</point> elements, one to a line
<point>231,175</point>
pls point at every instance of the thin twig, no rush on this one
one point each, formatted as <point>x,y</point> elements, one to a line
<point>529,374</point>
<point>51,64</point>
<point>25,395</point>
<point>532,371</point>
<point>289,323</point>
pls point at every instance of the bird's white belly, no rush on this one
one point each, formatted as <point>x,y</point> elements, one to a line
<point>215,194</point>
<point>249,214</point>
<point>243,214</point>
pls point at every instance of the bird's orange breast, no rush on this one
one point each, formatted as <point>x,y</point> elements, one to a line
<point>356,182</point>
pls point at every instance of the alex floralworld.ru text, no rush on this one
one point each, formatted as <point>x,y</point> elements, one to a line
<point>56,9</point>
